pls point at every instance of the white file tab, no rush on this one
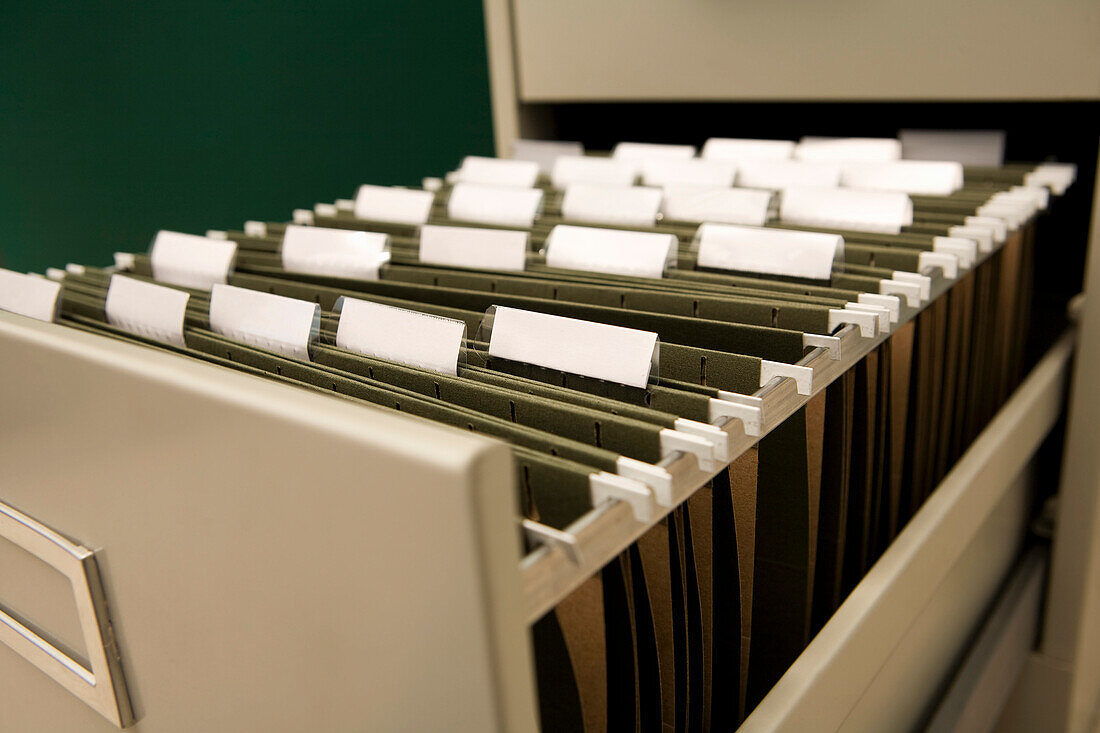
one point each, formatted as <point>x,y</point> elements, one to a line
<point>1033,198</point>
<point>272,322</point>
<point>697,204</point>
<point>639,254</point>
<point>622,205</point>
<point>1039,194</point>
<point>190,260</point>
<point>964,248</point>
<point>768,251</point>
<point>981,234</point>
<point>335,252</point>
<point>779,174</point>
<point>848,148</point>
<point>842,208</point>
<point>480,249</point>
<point>145,309</point>
<point>931,178</point>
<point>507,206</point>
<point>1056,176</point>
<point>29,295</point>
<point>969,147</point>
<point>498,171</point>
<point>1012,213</point>
<point>582,169</point>
<point>396,334</point>
<point>648,151</point>
<point>997,226</point>
<point>545,152</point>
<point>740,149</point>
<point>612,353</point>
<point>668,171</point>
<point>392,204</point>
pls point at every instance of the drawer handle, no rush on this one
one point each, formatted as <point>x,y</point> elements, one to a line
<point>102,687</point>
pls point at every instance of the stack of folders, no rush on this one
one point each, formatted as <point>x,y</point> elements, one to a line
<point>728,379</point>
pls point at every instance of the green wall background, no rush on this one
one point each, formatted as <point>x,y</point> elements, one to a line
<point>118,119</point>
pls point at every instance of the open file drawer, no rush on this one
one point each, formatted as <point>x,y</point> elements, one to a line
<point>260,571</point>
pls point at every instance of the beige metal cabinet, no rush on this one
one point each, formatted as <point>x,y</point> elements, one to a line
<point>885,649</point>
